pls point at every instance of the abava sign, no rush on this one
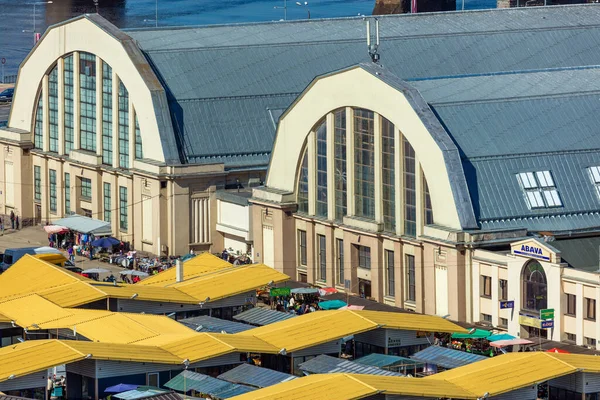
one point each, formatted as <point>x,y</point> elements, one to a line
<point>532,248</point>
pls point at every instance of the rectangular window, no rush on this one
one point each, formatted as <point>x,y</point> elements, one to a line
<point>107,117</point>
<point>364,163</point>
<point>37,182</point>
<point>503,289</point>
<point>388,151</point>
<point>364,257</point>
<point>153,379</point>
<point>339,119</point>
<point>107,203</point>
<point>540,190</point>
<point>53,110</point>
<point>503,322</point>
<point>486,286</point>
<point>410,191</point>
<point>411,281</point>
<point>52,190</point>
<point>339,244</point>
<point>139,153</point>
<point>86,189</point>
<point>590,341</point>
<point>123,208</point>
<point>87,101</point>
<point>302,247</point>
<point>68,112</point>
<point>123,126</point>
<point>571,337</point>
<point>67,193</point>
<point>321,134</point>
<point>322,242</point>
<point>590,309</point>
<point>571,304</point>
<point>486,318</point>
<point>389,266</point>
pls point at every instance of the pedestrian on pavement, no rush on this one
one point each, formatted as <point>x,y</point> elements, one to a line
<point>17,222</point>
<point>12,219</point>
<point>71,255</point>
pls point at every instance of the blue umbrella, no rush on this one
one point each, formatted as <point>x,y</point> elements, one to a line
<point>106,242</point>
<point>120,388</point>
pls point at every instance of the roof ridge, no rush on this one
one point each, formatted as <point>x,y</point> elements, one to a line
<point>210,334</point>
<point>242,96</point>
<point>527,155</point>
<point>564,214</point>
<point>62,342</point>
<point>347,375</point>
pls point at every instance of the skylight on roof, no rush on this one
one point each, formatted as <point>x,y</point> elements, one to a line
<point>540,190</point>
<point>595,175</point>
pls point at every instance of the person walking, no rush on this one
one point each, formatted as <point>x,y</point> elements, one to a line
<point>12,219</point>
<point>17,222</point>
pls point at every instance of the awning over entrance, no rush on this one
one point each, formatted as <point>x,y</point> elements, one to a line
<point>83,224</point>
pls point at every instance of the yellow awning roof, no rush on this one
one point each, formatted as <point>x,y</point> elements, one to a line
<point>194,267</point>
<point>353,386</point>
<point>229,282</point>
<point>323,326</point>
<point>148,293</point>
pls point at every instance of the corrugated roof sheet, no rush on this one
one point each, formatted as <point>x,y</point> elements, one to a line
<point>201,264</point>
<point>204,323</point>
<point>249,68</point>
<point>445,357</point>
<point>384,360</point>
<point>188,380</point>
<point>139,394</point>
<point>580,253</point>
<point>84,224</point>
<point>262,316</point>
<point>325,364</point>
<point>252,375</point>
<point>324,326</point>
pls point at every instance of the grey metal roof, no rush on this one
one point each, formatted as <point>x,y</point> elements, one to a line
<point>269,63</point>
<point>262,316</point>
<point>562,223</point>
<point>445,357</point>
<point>204,323</point>
<point>580,253</point>
<point>325,364</point>
<point>188,380</point>
<point>384,360</point>
<point>252,375</point>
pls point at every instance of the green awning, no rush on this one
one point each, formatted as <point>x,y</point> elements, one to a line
<point>478,334</point>
<point>332,304</point>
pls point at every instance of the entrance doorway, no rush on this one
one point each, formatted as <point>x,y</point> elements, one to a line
<point>364,288</point>
<point>38,214</point>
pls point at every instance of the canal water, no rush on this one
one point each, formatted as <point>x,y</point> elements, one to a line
<point>17,16</point>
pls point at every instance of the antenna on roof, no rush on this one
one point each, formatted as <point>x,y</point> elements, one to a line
<point>373,46</point>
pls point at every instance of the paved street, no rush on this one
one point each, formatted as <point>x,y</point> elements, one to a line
<point>4,111</point>
<point>35,236</point>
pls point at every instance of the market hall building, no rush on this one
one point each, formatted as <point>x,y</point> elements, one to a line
<point>407,183</point>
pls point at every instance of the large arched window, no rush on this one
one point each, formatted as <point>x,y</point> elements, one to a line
<point>380,155</point>
<point>96,81</point>
<point>535,295</point>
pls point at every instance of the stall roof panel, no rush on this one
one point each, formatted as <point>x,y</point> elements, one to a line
<point>160,323</point>
<point>202,346</point>
<point>447,358</point>
<point>33,356</point>
<point>202,264</point>
<point>123,352</point>
<point>246,343</point>
<point>188,380</point>
<point>231,281</point>
<point>33,309</point>
<point>248,374</point>
<point>72,295</point>
<point>410,321</point>
<point>507,372</point>
<point>204,323</point>
<point>82,224</point>
<point>147,293</point>
<point>323,326</point>
<point>262,316</point>
<point>384,360</point>
<point>325,364</point>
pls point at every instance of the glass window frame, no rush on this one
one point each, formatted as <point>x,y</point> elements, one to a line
<point>123,126</point>
<point>302,248</point>
<point>67,193</point>
<point>107,115</point>
<point>302,195</point>
<point>571,305</point>
<point>106,187</point>
<point>86,189</point>
<point>68,114</point>
<point>502,289</point>
<point>123,212</point>
<point>486,286</point>
<point>364,257</point>
<point>339,244</point>
<point>390,273</point>
<point>340,167</point>
<point>322,257</point>
<point>52,190</point>
<point>364,163</point>
<point>590,309</point>
<point>411,279</point>
<point>53,110</point>
<point>321,170</point>
<point>410,190</point>
<point>37,183</point>
<point>87,101</point>
<point>388,175</point>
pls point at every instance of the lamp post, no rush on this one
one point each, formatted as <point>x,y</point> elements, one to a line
<point>284,9</point>
<point>37,3</point>
<point>305,4</point>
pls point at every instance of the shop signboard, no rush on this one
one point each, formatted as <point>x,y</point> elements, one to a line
<point>533,248</point>
<point>547,313</point>
<point>547,324</point>
<point>507,304</point>
<point>281,291</point>
<point>529,321</point>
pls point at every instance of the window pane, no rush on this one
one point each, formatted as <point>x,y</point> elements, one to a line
<point>411,282</point>
<point>53,110</point>
<point>322,257</point>
<point>340,163</point>
<point>410,193</point>
<point>340,261</point>
<point>107,117</point>
<point>87,101</point>
<point>107,202</point>
<point>68,111</point>
<point>52,190</point>
<point>595,171</point>
<point>364,163</point>
<point>388,175</point>
<point>391,282</point>
<point>322,170</point>
<point>67,193</point>
<point>302,247</point>
<point>544,178</point>
<point>123,126</point>
<point>123,222</point>
<point>303,185</point>
<point>38,133</point>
